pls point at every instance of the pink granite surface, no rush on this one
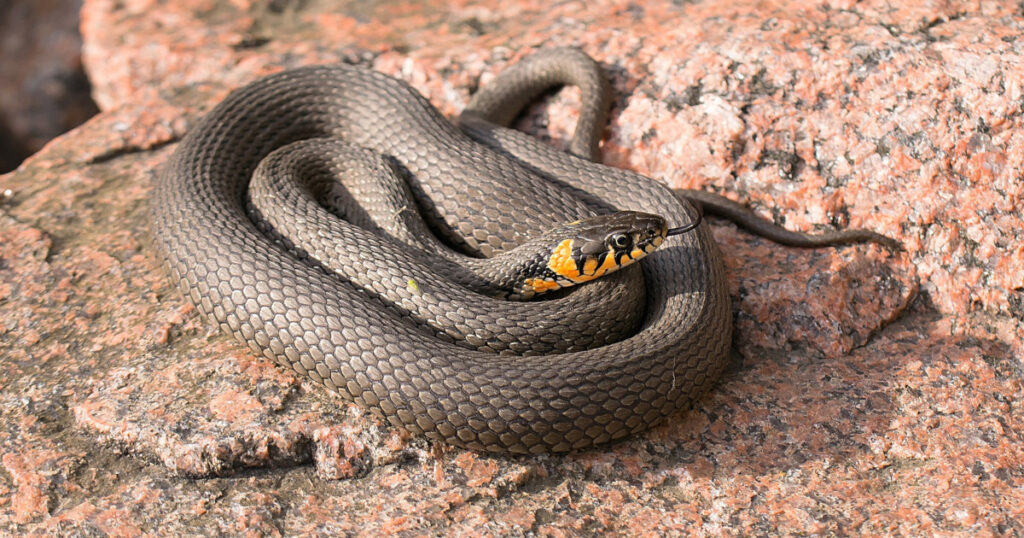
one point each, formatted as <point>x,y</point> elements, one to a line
<point>873,392</point>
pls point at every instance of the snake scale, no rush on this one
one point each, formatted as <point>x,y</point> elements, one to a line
<point>524,381</point>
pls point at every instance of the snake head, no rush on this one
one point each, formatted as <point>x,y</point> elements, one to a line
<point>586,249</point>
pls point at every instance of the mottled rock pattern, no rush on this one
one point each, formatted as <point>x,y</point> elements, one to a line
<point>847,410</point>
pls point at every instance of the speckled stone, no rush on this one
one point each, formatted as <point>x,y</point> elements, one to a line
<point>872,392</point>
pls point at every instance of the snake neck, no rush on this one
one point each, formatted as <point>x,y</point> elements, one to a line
<point>506,275</point>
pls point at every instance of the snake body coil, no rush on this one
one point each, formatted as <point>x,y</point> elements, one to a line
<point>482,198</point>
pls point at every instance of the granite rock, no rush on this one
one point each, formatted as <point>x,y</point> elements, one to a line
<point>873,392</point>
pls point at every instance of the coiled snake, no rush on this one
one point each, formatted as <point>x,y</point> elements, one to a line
<point>607,359</point>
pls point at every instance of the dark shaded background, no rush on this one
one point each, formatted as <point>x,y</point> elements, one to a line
<point>43,88</point>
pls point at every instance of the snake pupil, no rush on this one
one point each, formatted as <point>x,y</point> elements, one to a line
<point>620,240</point>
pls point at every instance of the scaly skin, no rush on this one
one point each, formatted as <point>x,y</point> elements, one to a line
<point>482,199</point>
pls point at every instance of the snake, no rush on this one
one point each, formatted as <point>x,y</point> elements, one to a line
<point>425,297</point>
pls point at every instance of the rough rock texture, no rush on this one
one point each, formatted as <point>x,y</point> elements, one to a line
<point>872,393</point>
<point>43,90</point>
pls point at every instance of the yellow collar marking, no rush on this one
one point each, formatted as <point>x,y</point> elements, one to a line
<point>563,264</point>
<point>561,261</point>
<point>539,285</point>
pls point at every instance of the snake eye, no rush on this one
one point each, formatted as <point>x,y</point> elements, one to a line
<point>620,240</point>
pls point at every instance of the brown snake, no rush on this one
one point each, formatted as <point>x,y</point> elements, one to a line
<point>389,340</point>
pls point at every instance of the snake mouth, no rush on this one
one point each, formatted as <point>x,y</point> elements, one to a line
<point>649,237</point>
